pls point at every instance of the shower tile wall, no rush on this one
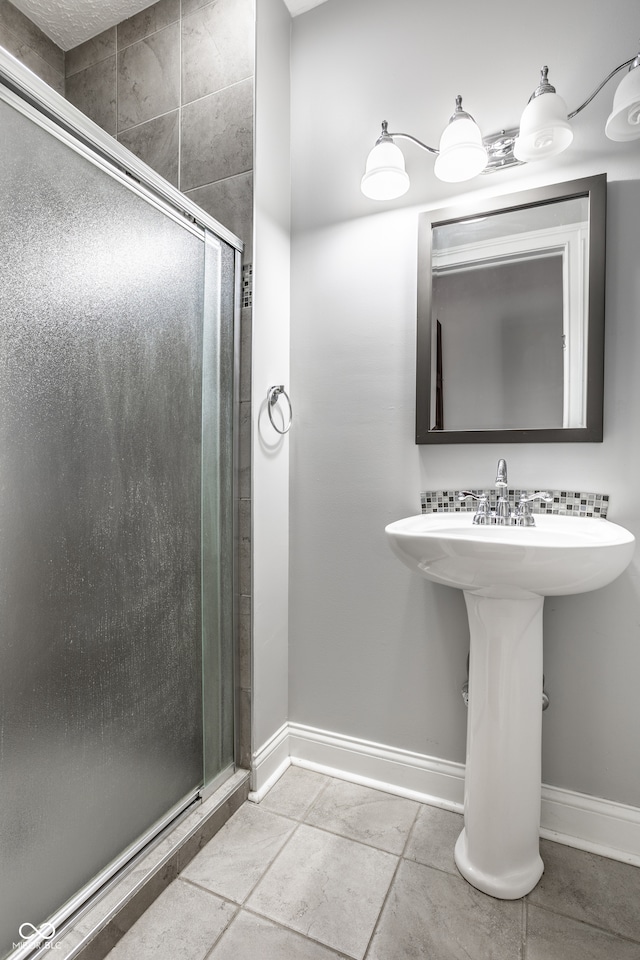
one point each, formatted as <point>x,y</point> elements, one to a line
<point>174,84</point>
<point>31,46</point>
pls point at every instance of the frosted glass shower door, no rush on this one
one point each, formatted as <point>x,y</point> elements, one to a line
<point>102,299</point>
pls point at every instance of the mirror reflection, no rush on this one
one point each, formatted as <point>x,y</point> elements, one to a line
<point>510,308</point>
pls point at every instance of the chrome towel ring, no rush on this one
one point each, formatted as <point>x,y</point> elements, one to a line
<point>273,393</point>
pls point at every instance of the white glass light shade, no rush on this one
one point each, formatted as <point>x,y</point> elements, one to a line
<point>385,177</point>
<point>544,128</point>
<point>624,121</point>
<point>462,155</point>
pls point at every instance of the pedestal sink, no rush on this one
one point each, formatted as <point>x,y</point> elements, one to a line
<point>505,573</point>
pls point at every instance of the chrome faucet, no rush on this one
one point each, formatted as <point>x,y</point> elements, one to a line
<point>523,516</point>
<point>503,514</point>
<point>503,507</point>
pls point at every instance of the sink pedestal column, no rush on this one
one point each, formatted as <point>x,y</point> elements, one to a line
<point>498,850</point>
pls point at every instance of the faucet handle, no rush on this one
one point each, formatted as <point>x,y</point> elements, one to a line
<point>483,512</point>
<point>470,495</point>
<point>542,495</point>
<point>524,516</point>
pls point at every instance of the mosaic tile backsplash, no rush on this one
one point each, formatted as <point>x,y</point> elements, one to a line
<point>566,502</point>
<point>247,284</point>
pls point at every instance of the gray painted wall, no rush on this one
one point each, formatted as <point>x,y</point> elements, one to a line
<point>375,652</point>
<point>270,460</point>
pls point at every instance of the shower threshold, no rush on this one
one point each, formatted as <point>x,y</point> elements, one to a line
<point>95,929</point>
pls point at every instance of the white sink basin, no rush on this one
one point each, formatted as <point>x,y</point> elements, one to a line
<point>559,555</point>
<point>505,573</point>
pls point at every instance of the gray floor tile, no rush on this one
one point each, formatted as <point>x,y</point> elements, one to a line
<point>361,813</point>
<point>235,859</point>
<point>433,838</point>
<point>253,938</point>
<point>432,915</point>
<point>328,888</point>
<point>294,792</point>
<point>183,922</point>
<point>589,888</point>
<point>550,937</point>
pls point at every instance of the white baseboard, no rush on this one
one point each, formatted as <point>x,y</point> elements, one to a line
<point>590,823</point>
<point>269,763</point>
<point>574,819</point>
<point>406,774</point>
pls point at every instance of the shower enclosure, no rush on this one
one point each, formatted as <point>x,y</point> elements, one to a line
<point>116,520</point>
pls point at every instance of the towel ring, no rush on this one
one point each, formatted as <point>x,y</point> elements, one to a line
<point>273,393</point>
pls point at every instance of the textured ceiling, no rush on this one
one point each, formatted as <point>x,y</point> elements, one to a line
<point>70,22</point>
<point>299,6</point>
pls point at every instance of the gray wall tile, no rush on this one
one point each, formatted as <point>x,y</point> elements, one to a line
<point>243,739</point>
<point>244,644</point>
<point>217,136</point>
<point>157,143</point>
<point>231,202</point>
<point>94,92</point>
<point>148,21</point>
<point>245,348</point>
<point>244,547</point>
<point>29,33</point>
<point>244,452</point>
<point>149,77</point>
<point>30,58</point>
<point>188,6</point>
<point>92,51</point>
<point>217,47</point>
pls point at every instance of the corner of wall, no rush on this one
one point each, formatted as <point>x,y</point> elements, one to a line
<point>270,366</point>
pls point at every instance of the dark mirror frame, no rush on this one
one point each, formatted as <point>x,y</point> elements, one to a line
<point>595,189</point>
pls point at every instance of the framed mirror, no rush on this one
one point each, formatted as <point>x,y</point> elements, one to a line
<point>511,318</point>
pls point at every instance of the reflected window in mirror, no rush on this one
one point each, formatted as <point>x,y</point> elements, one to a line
<point>511,318</point>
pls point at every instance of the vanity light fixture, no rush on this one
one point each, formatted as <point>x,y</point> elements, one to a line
<point>463,153</point>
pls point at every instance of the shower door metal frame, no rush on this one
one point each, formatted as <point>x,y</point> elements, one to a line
<point>68,119</point>
<point>32,97</point>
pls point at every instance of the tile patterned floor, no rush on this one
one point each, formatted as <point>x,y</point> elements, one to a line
<point>328,870</point>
